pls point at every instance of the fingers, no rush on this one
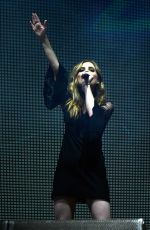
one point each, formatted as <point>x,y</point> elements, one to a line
<point>45,23</point>
<point>35,18</point>
<point>91,79</point>
<point>32,25</point>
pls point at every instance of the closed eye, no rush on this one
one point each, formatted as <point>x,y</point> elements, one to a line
<point>92,69</point>
<point>81,69</point>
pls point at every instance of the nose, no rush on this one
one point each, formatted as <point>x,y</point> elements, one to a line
<point>86,71</point>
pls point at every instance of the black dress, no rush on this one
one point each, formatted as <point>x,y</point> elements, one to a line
<point>80,171</point>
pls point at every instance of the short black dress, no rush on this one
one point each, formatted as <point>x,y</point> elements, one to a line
<point>80,171</point>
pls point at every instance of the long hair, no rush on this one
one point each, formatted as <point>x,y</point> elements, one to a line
<point>76,100</point>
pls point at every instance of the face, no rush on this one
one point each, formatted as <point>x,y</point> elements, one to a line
<point>87,68</point>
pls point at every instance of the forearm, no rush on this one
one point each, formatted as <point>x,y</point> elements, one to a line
<point>89,100</point>
<point>50,54</point>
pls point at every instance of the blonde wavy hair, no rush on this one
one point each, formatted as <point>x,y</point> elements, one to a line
<point>76,100</point>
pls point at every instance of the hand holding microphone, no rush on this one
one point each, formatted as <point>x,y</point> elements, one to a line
<point>87,78</point>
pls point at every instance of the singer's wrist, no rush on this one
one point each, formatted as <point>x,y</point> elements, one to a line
<point>88,85</point>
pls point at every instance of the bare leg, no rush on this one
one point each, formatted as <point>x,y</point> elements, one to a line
<point>100,209</point>
<point>64,208</point>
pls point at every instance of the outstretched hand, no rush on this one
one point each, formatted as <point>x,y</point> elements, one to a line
<point>37,26</point>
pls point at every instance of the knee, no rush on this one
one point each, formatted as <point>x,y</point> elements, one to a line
<point>62,211</point>
<point>100,210</point>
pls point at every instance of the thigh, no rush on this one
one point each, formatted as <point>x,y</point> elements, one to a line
<point>100,209</point>
<point>64,208</point>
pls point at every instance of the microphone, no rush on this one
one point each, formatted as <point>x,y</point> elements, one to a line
<point>85,76</point>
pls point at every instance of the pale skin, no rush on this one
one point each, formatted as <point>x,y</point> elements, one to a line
<point>64,206</point>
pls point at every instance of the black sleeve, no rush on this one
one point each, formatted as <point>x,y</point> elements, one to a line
<point>108,113</point>
<point>55,91</point>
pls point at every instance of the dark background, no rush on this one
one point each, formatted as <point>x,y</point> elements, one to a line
<point>116,35</point>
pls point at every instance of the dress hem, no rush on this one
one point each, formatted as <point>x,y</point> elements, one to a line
<point>82,200</point>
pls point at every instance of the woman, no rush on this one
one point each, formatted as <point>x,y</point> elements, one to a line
<point>80,175</point>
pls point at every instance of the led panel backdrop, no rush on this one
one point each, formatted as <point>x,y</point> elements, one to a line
<point>116,35</point>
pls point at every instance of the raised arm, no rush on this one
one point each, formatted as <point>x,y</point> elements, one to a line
<point>40,30</point>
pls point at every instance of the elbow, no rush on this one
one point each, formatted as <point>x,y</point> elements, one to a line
<point>109,106</point>
<point>49,104</point>
<point>49,101</point>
